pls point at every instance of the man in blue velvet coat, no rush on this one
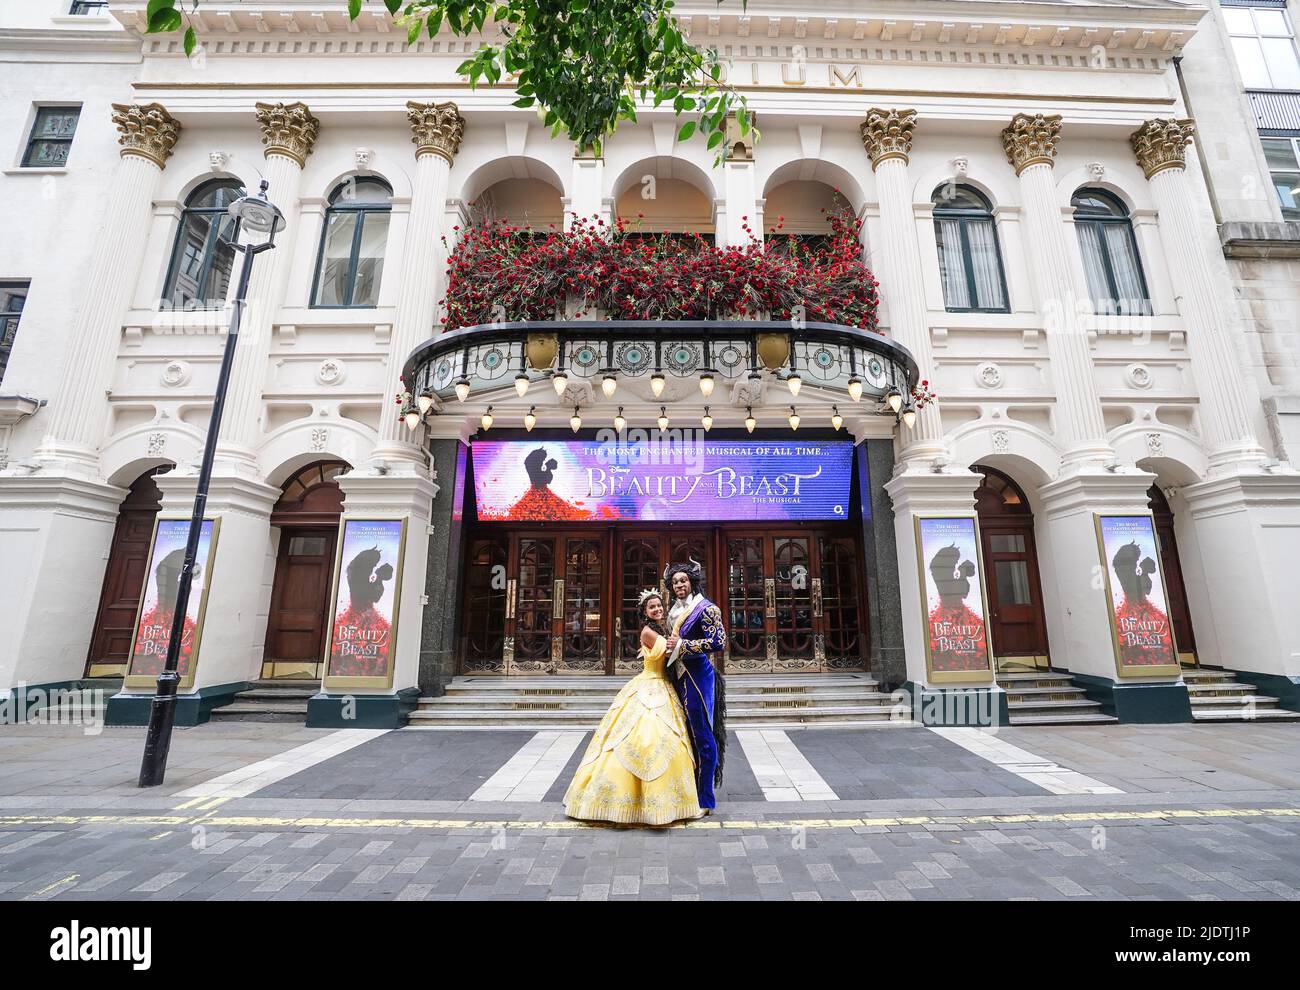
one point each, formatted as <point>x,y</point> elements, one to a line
<point>697,636</point>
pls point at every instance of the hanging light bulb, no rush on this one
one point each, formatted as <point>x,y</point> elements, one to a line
<point>663,418</point>
<point>750,421</point>
<point>855,388</point>
<point>795,383</point>
<point>412,420</point>
<point>657,383</point>
<point>575,420</point>
<point>561,382</point>
<point>424,402</point>
<point>895,400</point>
<point>706,383</point>
<point>530,418</point>
<point>608,385</point>
<point>462,389</point>
<point>794,419</point>
<point>909,418</point>
<point>486,419</point>
<point>620,424</point>
<point>837,420</point>
<point>521,384</point>
<point>707,420</point>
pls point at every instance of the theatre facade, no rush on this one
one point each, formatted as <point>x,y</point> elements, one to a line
<point>1028,460</point>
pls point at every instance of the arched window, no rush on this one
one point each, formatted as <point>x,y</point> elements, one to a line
<point>969,260</point>
<point>1110,256</point>
<point>204,255</point>
<point>352,244</point>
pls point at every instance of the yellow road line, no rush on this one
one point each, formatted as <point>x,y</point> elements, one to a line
<point>709,824</point>
<point>70,878</point>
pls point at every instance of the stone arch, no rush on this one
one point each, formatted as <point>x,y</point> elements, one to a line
<point>1023,452</point>
<point>1126,184</point>
<point>814,170</point>
<point>297,444</point>
<point>685,195</point>
<point>993,178</point>
<point>400,190</point>
<point>1174,455</point>
<point>496,170</point>
<point>141,448</point>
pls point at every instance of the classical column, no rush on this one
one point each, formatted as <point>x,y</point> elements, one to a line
<point>436,131</point>
<point>1224,413</point>
<point>741,203</point>
<point>887,137</point>
<point>1030,143</point>
<point>147,135</point>
<point>289,133</point>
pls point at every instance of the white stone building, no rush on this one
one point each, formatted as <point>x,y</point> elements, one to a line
<point>1035,206</point>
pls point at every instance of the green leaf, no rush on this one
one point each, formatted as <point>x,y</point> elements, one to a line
<point>354,9</point>
<point>715,139</point>
<point>190,41</point>
<point>163,20</point>
<point>687,130</point>
<point>393,5</point>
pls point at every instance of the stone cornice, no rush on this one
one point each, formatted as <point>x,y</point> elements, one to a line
<point>436,129</point>
<point>1031,139</point>
<point>1161,143</point>
<point>288,129</point>
<point>147,131</point>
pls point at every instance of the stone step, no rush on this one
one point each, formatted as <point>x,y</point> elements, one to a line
<point>1061,693</point>
<point>1016,710</point>
<point>846,718</point>
<point>1033,675</point>
<point>1063,718</point>
<point>1233,701</point>
<point>1202,675</point>
<point>1219,688</point>
<point>1244,715</point>
<point>262,711</point>
<point>276,694</point>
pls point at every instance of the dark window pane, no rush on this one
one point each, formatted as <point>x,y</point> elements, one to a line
<point>51,137</point>
<point>1007,543</point>
<point>1012,579</point>
<point>336,259</point>
<point>203,259</point>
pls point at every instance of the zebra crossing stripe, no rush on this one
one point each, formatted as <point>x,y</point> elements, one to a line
<point>782,771</point>
<point>529,774</point>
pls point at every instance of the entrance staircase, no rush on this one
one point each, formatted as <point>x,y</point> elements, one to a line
<point>1217,696</point>
<point>754,701</point>
<point>282,699</point>
<point>1047,698</point>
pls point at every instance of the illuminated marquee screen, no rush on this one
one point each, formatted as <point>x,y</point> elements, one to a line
<point>571,480</point>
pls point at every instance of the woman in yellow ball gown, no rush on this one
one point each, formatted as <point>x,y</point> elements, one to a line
<point>639,768</point>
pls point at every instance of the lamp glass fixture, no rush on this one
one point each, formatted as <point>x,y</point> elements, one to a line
<point>530,419</point>
<point>257,212</point>
<point>412,420</point>
<point>794,419</point>
<point>424,403</point>
<point>486,419</point>
<point>837,420</point>
<point>706,421</point>
<point>706,384</point>
<point>575,420</point>
<point>608,385</point>
<point>894,399</point>
<point>795,383</point>
<point>855,388</point>
<point>657,383</point>
<point>663,418</point>
<point>521,384</point>
<point>561,382</point>
<point>750,421</point>
<point>620,424</point>
<point>462,389</point>
<point>909,418</point>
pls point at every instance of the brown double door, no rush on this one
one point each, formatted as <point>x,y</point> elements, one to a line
<point>566,602</point>
<point>300,599</point>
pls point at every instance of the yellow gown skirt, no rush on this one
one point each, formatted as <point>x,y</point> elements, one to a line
<point>639,768</point>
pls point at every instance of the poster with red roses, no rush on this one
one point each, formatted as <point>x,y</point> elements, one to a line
<point>367,589</point>
<point>1141,630</point>
<point>153,624</point>
<point>952,594</point>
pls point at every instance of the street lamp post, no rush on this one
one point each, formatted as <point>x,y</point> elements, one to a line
<point>257,214</point>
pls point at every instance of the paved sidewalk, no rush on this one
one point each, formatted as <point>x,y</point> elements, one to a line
<point>268,811</point>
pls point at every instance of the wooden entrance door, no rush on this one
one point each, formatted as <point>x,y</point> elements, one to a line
<point>1017,626</point>
<point>119,598</point>
<point>1179,612</point>
<point>307,516</point>
<point>792,602</point>
<point>642,557</point>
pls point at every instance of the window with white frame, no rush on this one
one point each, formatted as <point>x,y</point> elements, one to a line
<point>51,137</point>
<point>1283,155</point>
<point>12,297</point>
<point>1264,44</point>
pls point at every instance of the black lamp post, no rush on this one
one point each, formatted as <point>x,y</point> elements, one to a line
<point>257,214</point>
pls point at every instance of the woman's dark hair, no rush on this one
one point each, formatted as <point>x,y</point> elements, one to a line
<point>645,620</point>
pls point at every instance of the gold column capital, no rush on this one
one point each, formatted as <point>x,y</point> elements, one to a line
<point>1031,139</point>
<point>887,134</point>
<point>288,129</point>
<point>147,131</point>
<point>1160,143</point>
<point>436,129</point>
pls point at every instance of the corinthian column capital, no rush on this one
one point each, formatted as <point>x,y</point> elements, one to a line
<point>888,134</point>
<point>436,129</point>
<point>1159,144</point>
<point>148,131</point>
<point>1031,139</point>
<point>288,129</point>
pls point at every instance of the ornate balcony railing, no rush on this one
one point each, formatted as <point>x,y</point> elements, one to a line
<point>491,360</point>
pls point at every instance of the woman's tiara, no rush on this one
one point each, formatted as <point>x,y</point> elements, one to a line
<point>648,594</point>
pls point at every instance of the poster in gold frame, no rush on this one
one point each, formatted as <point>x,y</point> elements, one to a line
<point>361,645</point>
<point>957,645</point>
<point>1141,631</point>
<point>153,621</point>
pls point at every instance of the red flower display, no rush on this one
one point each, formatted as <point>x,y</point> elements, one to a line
<point>497,271</point>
